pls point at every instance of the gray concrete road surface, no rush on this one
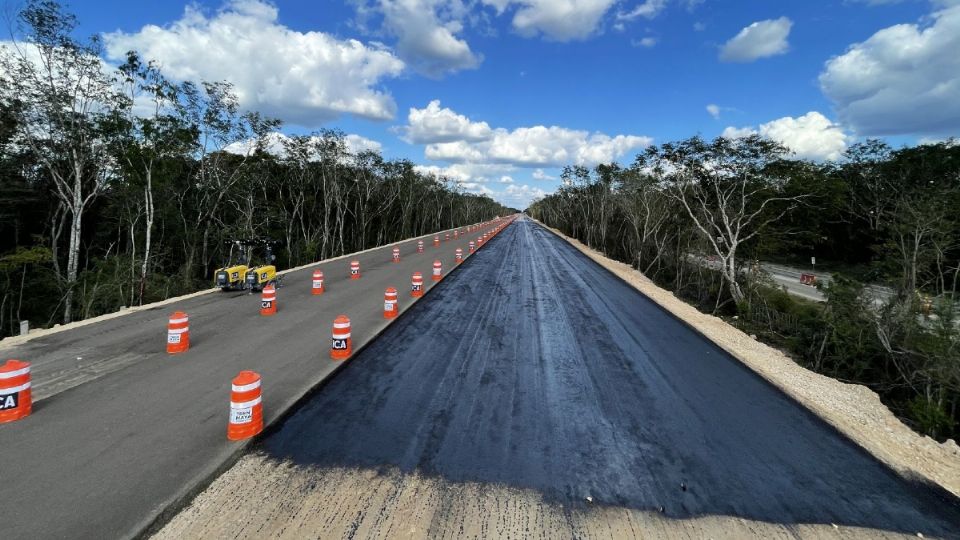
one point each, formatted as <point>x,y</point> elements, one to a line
<point>536,368</point>
<point>128,430</point>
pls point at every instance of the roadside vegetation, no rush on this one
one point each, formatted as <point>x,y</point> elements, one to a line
<point>119,187</point>
<point>695,216</point>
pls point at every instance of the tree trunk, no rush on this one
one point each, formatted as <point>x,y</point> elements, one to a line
<point>73,259</point>
<point>148,199</point>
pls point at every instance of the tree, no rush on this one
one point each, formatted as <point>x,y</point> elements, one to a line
<point>63,95</point>
<point>647,209</point>
<point>148,133</point>
<point>214,113</point>
<point>727,190</point>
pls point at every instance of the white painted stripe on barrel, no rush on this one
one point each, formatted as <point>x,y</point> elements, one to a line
<point>15,389</point>
<point>245,387</point>
<point>246,404</point>
<point>14,373</point>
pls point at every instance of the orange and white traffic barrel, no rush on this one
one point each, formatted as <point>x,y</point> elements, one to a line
<point>419,246</point>
<point>456,233</point>
<point>479,241</point>
<point>268,300</point>
<point>446,237</point>
<point>341,345</point>
<point>317,283</point>
<point>354,269</point>
<point>246,406</point>
<point>416,285</point>
<point>473,246</point>
<point>436,241</point>
<point>15,400</point>
<point>178,333</point>
<point>390,306</point>
<point>396,255</point>
<point>459,255</point>
<point>437,270</point>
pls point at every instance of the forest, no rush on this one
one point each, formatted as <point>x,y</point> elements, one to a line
<point>697,217</point>
<point>119,187</point>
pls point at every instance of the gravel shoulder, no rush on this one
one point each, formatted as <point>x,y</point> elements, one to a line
<point>265,498</point>
<point>854,410</point>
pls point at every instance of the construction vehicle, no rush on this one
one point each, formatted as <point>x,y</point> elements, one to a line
<point>259,276</point>
<point>232,276</point>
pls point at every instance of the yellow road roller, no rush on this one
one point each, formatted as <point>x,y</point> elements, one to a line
<point>232,276</point>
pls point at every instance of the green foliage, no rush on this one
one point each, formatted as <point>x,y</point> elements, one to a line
<point>930,417</point>
<point>21,257</point>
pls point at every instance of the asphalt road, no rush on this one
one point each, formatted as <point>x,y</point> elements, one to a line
<point>535,368</point>
<point>130,429</point>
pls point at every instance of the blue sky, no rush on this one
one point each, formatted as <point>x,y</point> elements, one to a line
<point>505,92</point>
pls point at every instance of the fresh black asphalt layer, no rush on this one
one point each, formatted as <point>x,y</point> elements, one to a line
<point>534,367</point>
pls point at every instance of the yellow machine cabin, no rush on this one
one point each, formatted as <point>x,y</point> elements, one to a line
<point>232,276</point>
<point>258,277</point>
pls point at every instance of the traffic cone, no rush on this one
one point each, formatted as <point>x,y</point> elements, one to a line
<point>437,270</point>
<point>472,246</point>
<point>459,255</point>
<point>355,270</point>
<point>178,333</point>
<point>268,300</point>
<point>416,285</point>
<point>341,345</point>
<point>317,287</point>
<point>419,246</point>
<point>436,241</point>
<point>246,407</point>
<point>396,255</point>
<point>390,306</point>
<point>15,397</point>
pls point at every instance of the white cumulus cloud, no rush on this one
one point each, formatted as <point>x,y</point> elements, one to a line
<point>456,152</point>
<point>539,174</point>
<point>359,143</point>
<point>540,146</point>
<point>468,141</point>
<point>714,111</point>
<point>438,125</point>
<point>520,195</point>
<point>647,9</point>
<point>559,20</point>
<point>480,173</point>
<point>811,136</point>
<point>903,79</point>
<point>427,34</point>
<point>646,42</point>
<point>304,78</point>
<point>759,40</point>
